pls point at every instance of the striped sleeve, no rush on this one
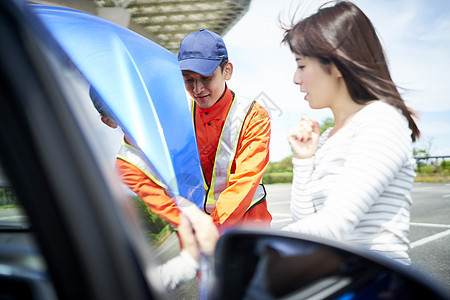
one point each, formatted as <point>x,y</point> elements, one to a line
<point>303,205</point>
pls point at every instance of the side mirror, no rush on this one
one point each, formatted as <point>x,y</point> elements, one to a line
<point>275,265</point>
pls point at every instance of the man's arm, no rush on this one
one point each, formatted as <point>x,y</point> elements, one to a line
<point>152,194</point>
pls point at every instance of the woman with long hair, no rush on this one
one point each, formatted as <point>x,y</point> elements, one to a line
<point>352,183</point>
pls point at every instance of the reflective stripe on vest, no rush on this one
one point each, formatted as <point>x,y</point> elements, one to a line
<point>225,153</point>
<point>135,157</point>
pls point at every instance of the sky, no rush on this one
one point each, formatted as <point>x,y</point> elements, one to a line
<point>416,38</point>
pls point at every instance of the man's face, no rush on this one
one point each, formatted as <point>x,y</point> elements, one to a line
<point>206,90</point>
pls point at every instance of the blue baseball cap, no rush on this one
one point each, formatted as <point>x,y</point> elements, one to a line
<point>201,52</point>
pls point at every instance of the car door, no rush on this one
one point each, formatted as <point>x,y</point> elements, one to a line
<point>91,246</point>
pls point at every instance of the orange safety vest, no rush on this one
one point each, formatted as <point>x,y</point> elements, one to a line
<point>225,153</point>
<point>142,180</point>
<point>233,138</point>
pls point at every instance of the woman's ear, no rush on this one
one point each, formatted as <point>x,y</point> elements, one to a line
<point>228,71</point>
<point>335,71</point>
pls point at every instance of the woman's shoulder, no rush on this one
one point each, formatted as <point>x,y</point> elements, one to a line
<point>378,105</point>
<point>381,115</point>
<point>379,109</point>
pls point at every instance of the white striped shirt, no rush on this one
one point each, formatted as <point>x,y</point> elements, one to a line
<point>357,187</point>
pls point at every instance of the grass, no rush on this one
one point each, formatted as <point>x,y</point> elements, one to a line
<point>438,178</point>
<point>430,174</point>
<point>8,206</point>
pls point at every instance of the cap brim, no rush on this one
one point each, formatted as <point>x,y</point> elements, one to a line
<point>202,66</point>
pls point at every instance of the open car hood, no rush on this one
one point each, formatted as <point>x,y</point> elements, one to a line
<point>141,84</point>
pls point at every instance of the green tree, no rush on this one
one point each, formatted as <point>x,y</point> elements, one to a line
<point>327,123</point>
<point>284,165</point>
<point>8,197</point>
<point>422,149</point>
<point>154,226</point>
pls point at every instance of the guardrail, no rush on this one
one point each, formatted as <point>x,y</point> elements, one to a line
<point>427,157</point>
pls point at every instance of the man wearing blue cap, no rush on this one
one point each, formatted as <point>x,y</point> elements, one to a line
<point>232,134</point>
<point>233,137</point>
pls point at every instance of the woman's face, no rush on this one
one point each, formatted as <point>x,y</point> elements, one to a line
<point>320,86</point>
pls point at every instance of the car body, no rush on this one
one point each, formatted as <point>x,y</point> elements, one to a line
<point>75,234</point>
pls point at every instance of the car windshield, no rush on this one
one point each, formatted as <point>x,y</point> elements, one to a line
<point>16,230</point>
<point>105,142</point>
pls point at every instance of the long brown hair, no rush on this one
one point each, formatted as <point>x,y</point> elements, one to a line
<point>342,34</point>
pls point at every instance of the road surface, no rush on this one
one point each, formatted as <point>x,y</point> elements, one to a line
<point>429,232</point>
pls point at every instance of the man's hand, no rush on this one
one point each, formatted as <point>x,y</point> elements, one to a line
<point>197,230</point>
